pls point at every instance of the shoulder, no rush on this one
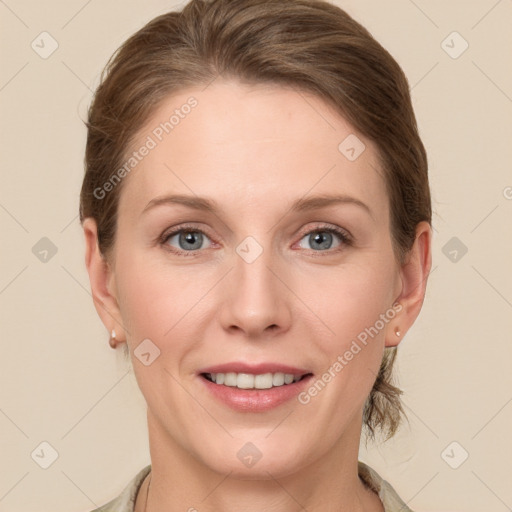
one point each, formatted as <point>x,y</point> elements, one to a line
<point>125,502</point>
<point>390,499</point>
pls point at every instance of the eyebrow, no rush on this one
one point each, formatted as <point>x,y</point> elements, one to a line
<point>301,205</point>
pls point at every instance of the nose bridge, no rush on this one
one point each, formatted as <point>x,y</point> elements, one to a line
<point>257,300</point>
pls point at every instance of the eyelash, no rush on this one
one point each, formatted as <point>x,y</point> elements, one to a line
<point>345,238</point>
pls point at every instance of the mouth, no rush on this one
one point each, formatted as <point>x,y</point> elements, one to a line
<point>254,381</point>
<point>254,387</point>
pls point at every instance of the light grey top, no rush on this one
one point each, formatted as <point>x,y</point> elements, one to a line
<point>125,502</point>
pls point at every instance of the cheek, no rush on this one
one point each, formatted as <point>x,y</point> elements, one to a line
<point>164,302</point>
<point>348,299</point>
<point>356,306</point>
<point>151,297</point>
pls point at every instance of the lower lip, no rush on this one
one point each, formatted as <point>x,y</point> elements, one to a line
<point>255,400</point>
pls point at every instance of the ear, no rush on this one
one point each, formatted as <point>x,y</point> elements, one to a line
<point>101,277</point>
<point>413,276</point>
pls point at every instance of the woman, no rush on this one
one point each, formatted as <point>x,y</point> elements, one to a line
<point>256,211</point>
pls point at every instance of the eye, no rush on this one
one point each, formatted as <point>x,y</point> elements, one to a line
<point>321,238</point>
<point>188,240</point>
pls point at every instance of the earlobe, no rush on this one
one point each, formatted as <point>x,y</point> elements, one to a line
<point>101,277</point>
<point>394,337</point>
<point>413,275</point>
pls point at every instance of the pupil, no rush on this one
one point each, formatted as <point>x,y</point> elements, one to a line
<point>190,237</point>
<point>323,239</point>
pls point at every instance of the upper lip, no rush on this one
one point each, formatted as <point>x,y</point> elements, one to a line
<point>255,369</point>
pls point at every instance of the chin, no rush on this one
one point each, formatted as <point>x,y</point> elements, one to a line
<point>261,459</point>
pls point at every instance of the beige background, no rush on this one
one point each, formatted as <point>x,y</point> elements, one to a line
<point>62,384</point>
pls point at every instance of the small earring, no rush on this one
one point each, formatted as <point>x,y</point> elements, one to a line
<point>398,333</point>
<point>112,340</point>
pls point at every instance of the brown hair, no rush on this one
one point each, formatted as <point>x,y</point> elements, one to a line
<point>310,45</point>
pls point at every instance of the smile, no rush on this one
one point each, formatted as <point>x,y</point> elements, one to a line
<point>253,381</point>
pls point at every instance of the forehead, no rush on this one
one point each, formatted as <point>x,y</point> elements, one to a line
<point>247,144</point>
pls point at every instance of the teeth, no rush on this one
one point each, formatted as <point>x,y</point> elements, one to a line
<point>250,381</point>
<point>278,379</point>
<point>229,379</point>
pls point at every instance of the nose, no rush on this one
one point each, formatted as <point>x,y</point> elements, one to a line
<point>256,300</point>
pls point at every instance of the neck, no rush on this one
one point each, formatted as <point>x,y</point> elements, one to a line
<point>180,482</point>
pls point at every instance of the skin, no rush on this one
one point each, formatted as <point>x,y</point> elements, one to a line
<point>255,150</point>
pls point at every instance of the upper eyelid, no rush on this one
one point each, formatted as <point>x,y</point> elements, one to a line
<point>185,227</point>
<point>326,226</point>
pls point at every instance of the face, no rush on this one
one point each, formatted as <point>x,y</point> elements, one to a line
<point>289,270</point>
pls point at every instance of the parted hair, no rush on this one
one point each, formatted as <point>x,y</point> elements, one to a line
<point>310,45</point>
